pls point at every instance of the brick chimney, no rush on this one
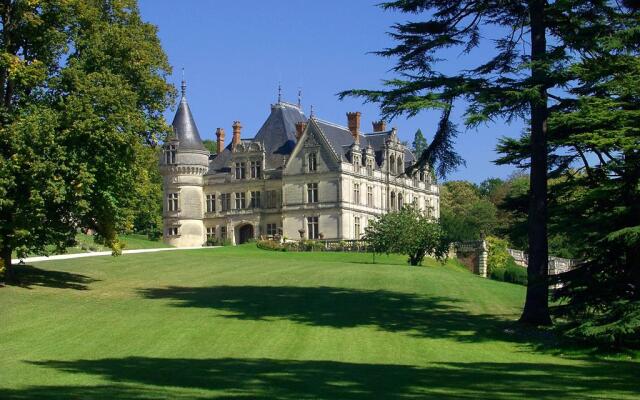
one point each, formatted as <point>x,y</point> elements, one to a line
<point>379,126</point>
<point>236,133</point>
<point>220,139</point>
<point>353,119</point>
<point>300,126</point>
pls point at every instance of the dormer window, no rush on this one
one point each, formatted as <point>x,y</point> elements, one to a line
<point>400,168</point>
<point>170,154</point>
<point>240,170</point>
<point>370,167</point>
<point>356,163</point>
<point>392,164</point>
<point>256,169</point>
<point>313,162</point>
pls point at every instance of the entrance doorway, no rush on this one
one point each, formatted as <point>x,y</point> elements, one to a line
<point>245,232</point>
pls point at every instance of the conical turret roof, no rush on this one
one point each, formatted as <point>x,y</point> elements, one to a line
<point>185,127</point>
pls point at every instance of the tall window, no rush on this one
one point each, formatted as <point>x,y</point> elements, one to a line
<point>255,199</point>
<point>400,200</point>
<point>356,227</point>
<point>225,201</point>
<point>369,166</point>
<point>356,163</point>
<point>312,225</point>
<point>223,232</point>
<point>170,154</point>
<point>421,175</point>
<point>369,196</point>
<point>173,231</point>
<point>312,192</point>
<point>313,162</point>
<point>211,203</point>
<point>271,199</point>
<point>255,169</point>
<point>400,166</point>
<point>241,200</point>
<point>393,201</point>
<point>172,202</point>
<point>211,232</point>
<point>240,172</point>
<point>356,193</point>
<point>392,164</point>
<point>272,229</point>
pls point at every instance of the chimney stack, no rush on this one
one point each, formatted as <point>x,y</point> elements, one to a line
<point>353,119</point>
<point>379,126</point>
<point>236,133</point>
<point>300,126</point>
<point>220,141</point>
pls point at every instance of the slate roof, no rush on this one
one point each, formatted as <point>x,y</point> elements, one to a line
<point>341,140</point>
<point>277,135</point>
<point>184,126</point>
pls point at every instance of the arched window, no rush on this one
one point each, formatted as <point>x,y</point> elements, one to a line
<point>400,200</point>
<point>392,164</point>
<point>400,168</point>
<point>393,201</point>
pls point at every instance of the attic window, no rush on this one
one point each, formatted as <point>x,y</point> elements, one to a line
<point>170,154</point>
<point>313,162</point>
<point>370,167</point>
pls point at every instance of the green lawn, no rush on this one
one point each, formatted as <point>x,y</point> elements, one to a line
<point>252,324</point>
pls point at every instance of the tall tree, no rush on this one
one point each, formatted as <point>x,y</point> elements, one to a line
<point>594,136</point>
<point>83,86</point>
<point>534,44</point>
<point>419,142</point>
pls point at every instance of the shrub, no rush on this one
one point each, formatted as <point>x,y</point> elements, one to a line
<point>515,274</point>
<point>2,270</point>
<point>498,256</point>
<point>497,274</point>
<point>270,245</point>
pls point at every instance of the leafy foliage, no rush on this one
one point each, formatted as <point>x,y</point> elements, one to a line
<point>210,145</point>
<point>84,87</point>
<point>408,231</point>
<point>465,215</point>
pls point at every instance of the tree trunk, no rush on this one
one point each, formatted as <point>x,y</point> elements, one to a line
<point>536,307</point>
<point>5,256</point>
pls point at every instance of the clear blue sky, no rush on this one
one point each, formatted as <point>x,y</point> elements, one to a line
<point>236,52</point>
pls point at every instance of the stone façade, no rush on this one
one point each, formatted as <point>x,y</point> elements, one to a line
<point>297,177</point>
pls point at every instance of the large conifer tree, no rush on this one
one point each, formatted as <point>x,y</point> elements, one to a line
<point>535,45</point>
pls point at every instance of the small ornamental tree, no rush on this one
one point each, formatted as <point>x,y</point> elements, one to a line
<point>409,231</point>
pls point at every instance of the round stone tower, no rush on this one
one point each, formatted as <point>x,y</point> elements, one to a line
<point>183,164</point>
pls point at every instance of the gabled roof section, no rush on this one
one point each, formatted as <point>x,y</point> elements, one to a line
<point>184,126</point>
<point>278,133</point>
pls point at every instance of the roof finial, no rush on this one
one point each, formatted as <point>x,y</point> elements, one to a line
<point>311,115</point>
<point>184,84</point>
<point>299,97</point>
<point>279,93</point>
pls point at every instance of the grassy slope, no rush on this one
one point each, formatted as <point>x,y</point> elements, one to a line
<point>218,323</point>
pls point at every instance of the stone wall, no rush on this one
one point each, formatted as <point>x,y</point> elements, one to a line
<point>474,254</point>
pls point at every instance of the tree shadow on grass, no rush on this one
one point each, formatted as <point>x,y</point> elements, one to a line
<point>26,276</point>
<point>435,317</point>
<point>141,377</point>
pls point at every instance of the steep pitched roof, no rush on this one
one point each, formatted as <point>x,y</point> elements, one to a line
<point>277,134</point>
<point>184,126</point>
